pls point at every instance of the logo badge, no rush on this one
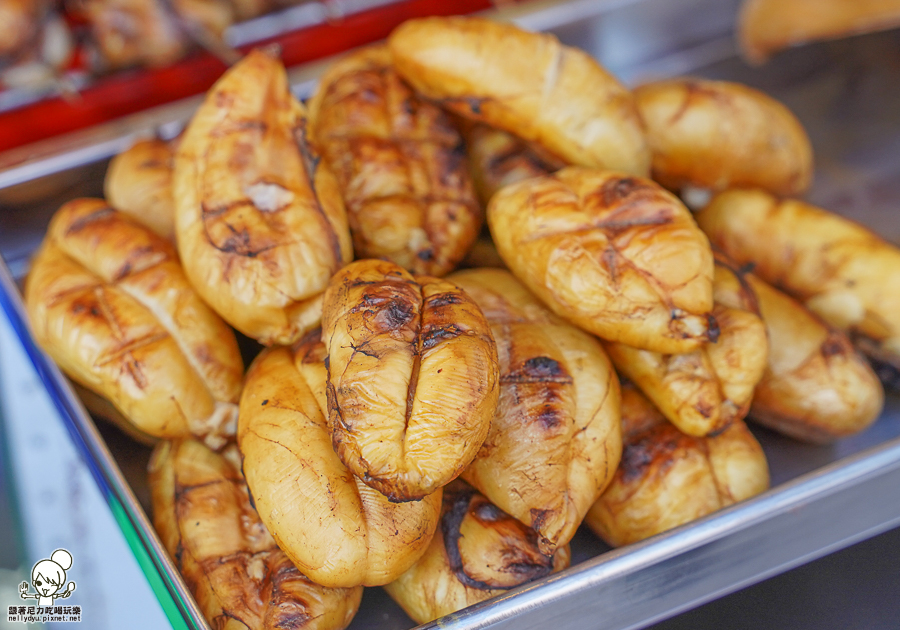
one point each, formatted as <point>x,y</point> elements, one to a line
<point>48,577</point>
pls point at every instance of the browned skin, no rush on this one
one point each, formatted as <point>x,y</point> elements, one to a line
<point>525,83</point>
<point>259,218</point>
<point>717,134</point>
<point>19,24</point>
<point>767,26</point>
<point>239,577</point>
<point>336,529</point>
<point>839,269</point>
<point>479,552</point>
<point>498,158</point>
<point>139,183</point>
<point>152,32</point>
<point>703,391</point>
<point>816,387</point>
<point>555,438</point>
<point>668,478</point>
<point>109,302</point>
<point>412,377</point>
<point>618,256</point>
<point>133,32</point>
<point>400,165</point>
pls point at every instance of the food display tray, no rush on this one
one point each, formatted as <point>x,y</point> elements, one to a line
<point>823,498</point>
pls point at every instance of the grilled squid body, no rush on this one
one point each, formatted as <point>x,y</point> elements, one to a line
<point>816,387</point>
<point>109,302</point>
<point>139,183</point>
<point>400,165</point>
<point>717,135</point>
<point>668,478</point>
<point>132,32</point>
<point>618,256</point>
<point>336,529</point>
<point>239,577</point>
<point>703,391</point>
<point>412,377</point>
<point>259,218</point>
<point>839,269</point>
<point>767,26</point>
<point>479,552</point>
<point>20,22</point>
<point>525,83</point>
<point>498,158</point>
<point>555,437</point>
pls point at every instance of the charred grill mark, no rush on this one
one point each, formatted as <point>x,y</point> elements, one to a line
<point>474,104</point>
<point>609,258</point>
<point>134,256</point>
<point>514,561</point>
<point>538,370</point>
<point>713,330</point>
<point>396,314</point>
<point>690,89</point>
<point>539,518</point>
<point>443,299</point>
<point>100,214</point>
<point>617,190</point>
<point>543,368</point>
<point>450,165</point>
<point>834,344</point>
<point>179,553</point>
<point>653,445</point>
<point>78,307</point>
<point>238,126</point>
<point>705,408</point>
<point>238,243</point>
<point>471,103</point>
<point>450,526</point>
<point>694,89</point>
<point>662,217</point>
<point>433,336</point>
<point>215,211</point>
<point>549,416</point>
<point>748,295</point>
<point>291,620</point>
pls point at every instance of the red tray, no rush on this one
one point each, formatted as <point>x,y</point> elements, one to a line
<point>131,91</point>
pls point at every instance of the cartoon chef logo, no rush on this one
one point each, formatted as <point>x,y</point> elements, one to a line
<point>49,579</point>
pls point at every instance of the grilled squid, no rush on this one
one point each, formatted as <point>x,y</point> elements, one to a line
<point>259,219</point>
<point>412,377</point>
<point>618,256</point>
<point>478,552</point>
<point>238,575</point>
<point>555,437</point>
<point>400,165</point>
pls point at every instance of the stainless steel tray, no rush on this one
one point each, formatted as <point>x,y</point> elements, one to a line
<point>847,94</point>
